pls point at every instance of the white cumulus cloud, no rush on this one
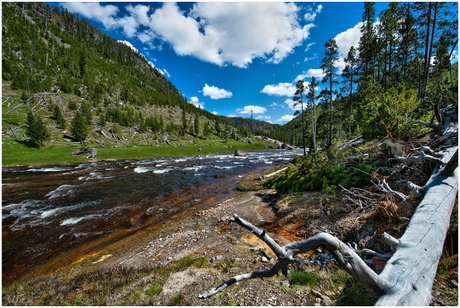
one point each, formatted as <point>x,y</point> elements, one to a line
<point>93,10</point>
<point>311,13</point>
<point>281,89</point>
<point>251,108</point>
<point>312,72</point>
<point>222,33</point>
<point>286,118</point>
<point>216,93</point>
<point>291,104</point>
<point>196,102</point>
<point>348,38</point>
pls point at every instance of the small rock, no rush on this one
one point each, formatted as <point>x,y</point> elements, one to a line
<point>285,283</point>
<point>264,260</point>
<point>219,258</point>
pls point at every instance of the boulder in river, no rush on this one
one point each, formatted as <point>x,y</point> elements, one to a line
<point>240,153</point>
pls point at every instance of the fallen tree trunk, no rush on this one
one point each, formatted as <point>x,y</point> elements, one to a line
<point>411,270</point>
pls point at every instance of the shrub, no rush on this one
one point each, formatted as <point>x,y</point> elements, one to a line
<point>321,171</point>
<point>78,127</point>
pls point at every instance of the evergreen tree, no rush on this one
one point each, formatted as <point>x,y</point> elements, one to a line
<point>311,96</point>
<point>217,127</point>
<point>329,70</point>
<point>58,116</point>
<point>78,127</point>
<point>184,120</point>
<point>389,41</point>
<point>86,112</point>
<point>206,130</point>
<point>368,41</point>
<point>298,99</point>
<point>36,130</point>
<point>349,78</point>
<point>197,125</point>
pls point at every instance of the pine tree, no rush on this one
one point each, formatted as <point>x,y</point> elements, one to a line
<point>329,70</point>
<point>298,99</point>
<point>36,130</point>
<point>311,96</point>
<point>349,78</point>
<point>184,120</point>
<point>58,116</point>
<point>368,41</point>
<point>78,127</point>
<point>197,125</point>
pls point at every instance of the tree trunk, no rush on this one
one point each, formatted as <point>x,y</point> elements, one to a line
<point>426,62</point>
<point>411,270</point>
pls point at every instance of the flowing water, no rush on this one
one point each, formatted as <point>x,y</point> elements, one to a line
<point>48,211</point>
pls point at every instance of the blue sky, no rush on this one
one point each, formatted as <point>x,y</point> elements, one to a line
<point>231,58</point>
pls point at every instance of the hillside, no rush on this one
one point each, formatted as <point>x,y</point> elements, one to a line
<point>54,62</point>
<point>251,125</point>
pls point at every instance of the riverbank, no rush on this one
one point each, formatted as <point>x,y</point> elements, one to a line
<point>171,264</point>
<point>18,154</point>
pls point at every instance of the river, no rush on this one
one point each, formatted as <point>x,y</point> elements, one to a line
<point>49,210</point>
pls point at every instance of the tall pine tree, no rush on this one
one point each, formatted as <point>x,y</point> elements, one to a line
<point>330,75</point>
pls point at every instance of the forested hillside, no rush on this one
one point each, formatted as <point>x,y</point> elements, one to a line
<point>64,69</point>
<point>401,65</point>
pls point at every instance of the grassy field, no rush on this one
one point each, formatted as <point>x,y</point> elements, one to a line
<point>59,149</point>
<point>15,153</point>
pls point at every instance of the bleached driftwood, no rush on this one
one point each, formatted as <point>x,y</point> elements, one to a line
<point>408,276</point>
<point>264,177</point>
<point>346,257</point>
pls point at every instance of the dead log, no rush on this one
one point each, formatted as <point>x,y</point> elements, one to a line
<point>411,270</point>
<point>346,257</point>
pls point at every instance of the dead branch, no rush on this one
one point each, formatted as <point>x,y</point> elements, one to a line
<point>262,250</point>
<point>420,158</point>
<point>416,191</point>
<point>132,138</point>
<point>264,177</point>
<point>344,255</point>
<point>434,126</point>
<point>16,107</point>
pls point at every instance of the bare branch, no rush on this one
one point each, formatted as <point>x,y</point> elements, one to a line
<point>390,240</point>
<point>419,158</point>
<point>345,256</point>
<point>277,249</point>
<point>257,274</point>
<point>430,125</point>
